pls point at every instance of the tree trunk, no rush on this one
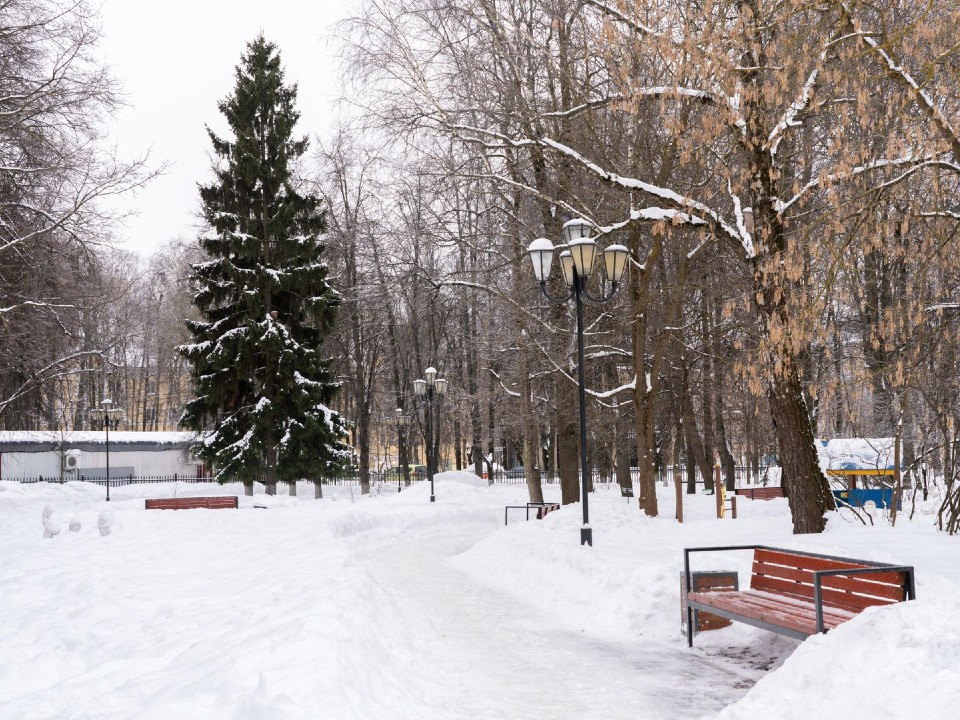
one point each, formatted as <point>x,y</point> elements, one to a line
<point>270,477</point>
<point>531,440</point>
<point>458,443</point>
<point>695,449</point>
<point>804,484</point>
<point>622,456</point>
<point>363,443</point>
<point>568,441</point>
<point>723,447</point>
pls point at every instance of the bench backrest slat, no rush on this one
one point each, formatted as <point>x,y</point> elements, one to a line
<point>542,510</point>
<point>792,574</point>
<point>761,493</point>
<point>215,502</point>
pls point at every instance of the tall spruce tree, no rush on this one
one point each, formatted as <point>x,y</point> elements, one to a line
<point>262,384</point>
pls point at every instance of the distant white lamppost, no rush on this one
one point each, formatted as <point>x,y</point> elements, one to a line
<point>106,415</point>
<point>427,389</point>
<point>576,265</point>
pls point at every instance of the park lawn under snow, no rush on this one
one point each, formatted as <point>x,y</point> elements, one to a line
<point>388,606</point>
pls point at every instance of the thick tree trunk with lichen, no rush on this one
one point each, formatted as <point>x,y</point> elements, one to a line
<point>806,487</point>
<point>775,290</point>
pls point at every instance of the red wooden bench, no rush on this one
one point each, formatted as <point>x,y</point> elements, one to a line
<point>541,508</point>
<point>214,502</point>
<point>761,492</point>
<point>800,594</point>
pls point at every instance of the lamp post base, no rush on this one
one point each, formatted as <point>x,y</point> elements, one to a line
<point>586,536</point>
<point>433,498</point>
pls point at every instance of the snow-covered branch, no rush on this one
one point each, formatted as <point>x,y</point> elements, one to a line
<point>832,178</point>
<point>798,106</point>
<point>652,93</point>
<point>58,368</point>
<point>632,23</point>
<point>906,80</point>
<point>508,391</point>
<point>35,303</point>
<point>708,215</point>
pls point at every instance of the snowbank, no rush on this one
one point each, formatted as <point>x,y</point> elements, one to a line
<point>461,476</point>
<point>389,606</point>
<point>886,664</point>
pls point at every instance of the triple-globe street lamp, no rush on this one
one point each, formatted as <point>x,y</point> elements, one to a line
<point>576,266</point>
<point>106,415</point>
<point>426,390</point>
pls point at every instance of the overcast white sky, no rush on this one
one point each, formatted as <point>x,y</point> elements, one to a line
<point>176,61</point>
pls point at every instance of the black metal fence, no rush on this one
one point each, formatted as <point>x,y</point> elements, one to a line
<point>517,476</point>
<point>664,474</point>
<point>115,481</point>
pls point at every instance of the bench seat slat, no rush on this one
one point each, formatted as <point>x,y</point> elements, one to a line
<point>794,605</point>
<point>792,613</point>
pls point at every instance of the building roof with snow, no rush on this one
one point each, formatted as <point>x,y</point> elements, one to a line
<point>92,440</point>
<point>856,456</point>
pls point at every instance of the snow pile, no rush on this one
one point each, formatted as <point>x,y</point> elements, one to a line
<point>388,606</point>
<point>461,476</point>
<point>886,664</point>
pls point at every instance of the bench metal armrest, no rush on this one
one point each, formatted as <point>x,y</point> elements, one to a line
<point>508,508</point>
<point>910,587</point>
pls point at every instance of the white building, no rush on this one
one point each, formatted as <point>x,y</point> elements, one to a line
<point>83,454</point>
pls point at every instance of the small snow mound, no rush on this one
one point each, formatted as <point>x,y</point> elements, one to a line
<point>106,521</point>
<point>51,526</point>
<point>461,476</point>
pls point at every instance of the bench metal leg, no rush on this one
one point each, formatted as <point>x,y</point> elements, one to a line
<point>689,626</point>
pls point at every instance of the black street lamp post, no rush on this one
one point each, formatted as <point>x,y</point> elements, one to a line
<point>108,415</point>
<point>576,264</point>
<point>428,389</point>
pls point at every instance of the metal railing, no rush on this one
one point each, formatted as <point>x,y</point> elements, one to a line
<point>115,480</point>
<point>506,477</point>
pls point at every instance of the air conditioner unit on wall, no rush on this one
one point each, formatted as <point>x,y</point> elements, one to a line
<point>71,460</point>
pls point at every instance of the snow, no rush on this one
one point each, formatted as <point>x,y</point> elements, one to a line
<point>94,436</point>
<point>856,454</point>
<point>389,606</point>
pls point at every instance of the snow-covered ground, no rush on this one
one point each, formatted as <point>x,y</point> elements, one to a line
<point>388,606</point>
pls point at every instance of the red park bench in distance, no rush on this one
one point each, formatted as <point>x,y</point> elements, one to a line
<point>213,502</point>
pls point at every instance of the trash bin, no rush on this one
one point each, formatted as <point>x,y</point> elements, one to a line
<point>707,581</point>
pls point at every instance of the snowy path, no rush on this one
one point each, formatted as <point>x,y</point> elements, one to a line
<point>483,654</point>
